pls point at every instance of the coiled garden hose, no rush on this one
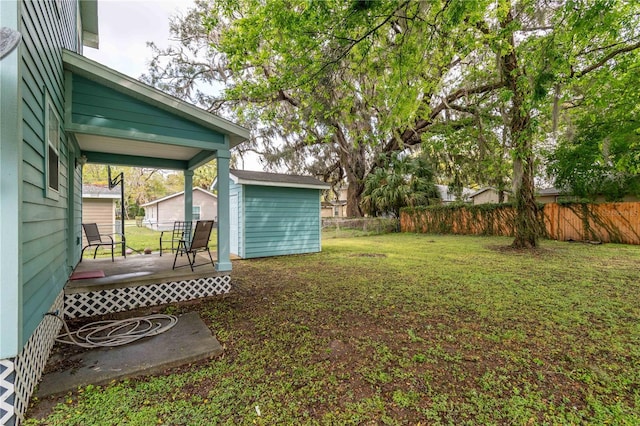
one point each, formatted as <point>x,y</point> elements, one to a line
<point>115,332</point>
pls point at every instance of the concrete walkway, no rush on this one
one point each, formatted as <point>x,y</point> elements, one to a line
<point>188,341</point>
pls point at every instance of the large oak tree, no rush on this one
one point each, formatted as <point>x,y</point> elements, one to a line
<point>352,79</point>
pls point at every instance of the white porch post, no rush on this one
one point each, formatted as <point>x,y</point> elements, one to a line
<point>224,262</point>
<point>188,195</point>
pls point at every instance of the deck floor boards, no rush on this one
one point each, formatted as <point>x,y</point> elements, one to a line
<point>136,270</point>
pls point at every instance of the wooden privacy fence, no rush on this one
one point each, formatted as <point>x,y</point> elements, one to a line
<point>606,222</point>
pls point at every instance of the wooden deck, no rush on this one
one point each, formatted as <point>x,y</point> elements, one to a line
<point>139,269</point>
<point>139,281</point>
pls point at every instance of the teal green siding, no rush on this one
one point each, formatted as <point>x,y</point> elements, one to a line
<point>47,28</point>
<point>279,221</point>
<point>102,107</point>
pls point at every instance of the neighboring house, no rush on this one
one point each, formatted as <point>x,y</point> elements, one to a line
<point>554,195</point>
<point>338,208</point>
<point>160,214</point>
<point>274,214</point>
<point>488,195</point>
<point>448,196</point>
<point>332,207</point>
<point>99,206</point>
<point>59,110</point>
<point>547,195</point>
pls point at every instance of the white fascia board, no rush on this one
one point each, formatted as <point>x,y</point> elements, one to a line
<point>94,196</point>
<point>205,191</point>
<point>177,194</point>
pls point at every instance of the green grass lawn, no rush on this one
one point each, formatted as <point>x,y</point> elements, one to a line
<point>140,237</point>
<point>404,329</point>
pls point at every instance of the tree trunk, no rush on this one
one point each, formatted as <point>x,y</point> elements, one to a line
<point>526,226</point>
<point>355,181</point>
<point>354,191</point>
<point>353,159</point>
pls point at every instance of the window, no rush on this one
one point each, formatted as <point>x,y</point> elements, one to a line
<point>52,151</point>
<point>195,213</point>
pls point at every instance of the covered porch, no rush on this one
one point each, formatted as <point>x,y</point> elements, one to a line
<point>139,281</point>
<point>113,119</point>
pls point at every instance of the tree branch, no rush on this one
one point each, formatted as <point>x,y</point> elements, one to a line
<point>605,59</point>
<point>356,41</point>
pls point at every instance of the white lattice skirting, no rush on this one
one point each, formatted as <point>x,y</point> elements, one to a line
<point>20,375</point>
<point>122,299</point>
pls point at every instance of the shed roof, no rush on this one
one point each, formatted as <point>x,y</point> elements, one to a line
<point>97,191</point>
<point>245,177</point>
<point>177,194</point>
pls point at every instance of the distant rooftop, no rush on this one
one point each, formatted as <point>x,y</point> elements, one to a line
<point>485,189</point>
<point>548,191</point>
<point>448,197</point>
<point>97,191</point>
<point>176,194</point>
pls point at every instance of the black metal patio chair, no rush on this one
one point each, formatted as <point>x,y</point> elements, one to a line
<point>199,242</point>
<point>181,231</point>
<point>97,240</point>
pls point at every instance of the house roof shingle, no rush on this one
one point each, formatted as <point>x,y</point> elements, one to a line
<point>97,191</point>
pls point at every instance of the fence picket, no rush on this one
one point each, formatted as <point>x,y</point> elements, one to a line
<point>605,222</point>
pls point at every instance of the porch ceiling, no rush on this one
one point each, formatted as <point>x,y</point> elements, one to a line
<point>118,120</point>
<point>135,153</point>
<point>107,145</point>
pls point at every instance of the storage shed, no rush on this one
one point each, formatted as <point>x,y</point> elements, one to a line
<point>274,214</point>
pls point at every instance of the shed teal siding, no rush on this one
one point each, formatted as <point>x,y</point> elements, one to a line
<point>102,107</point>
<point>279,221</point>
<point>45,248</point>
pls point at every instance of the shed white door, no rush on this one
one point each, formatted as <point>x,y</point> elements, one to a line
<point>233,223</point>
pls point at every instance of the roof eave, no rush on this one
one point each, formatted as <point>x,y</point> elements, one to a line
<point>89,19</point>
<point>95,71</point>
<point>101,196</point>
<point>278,184</point>
<point>177,194</point>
